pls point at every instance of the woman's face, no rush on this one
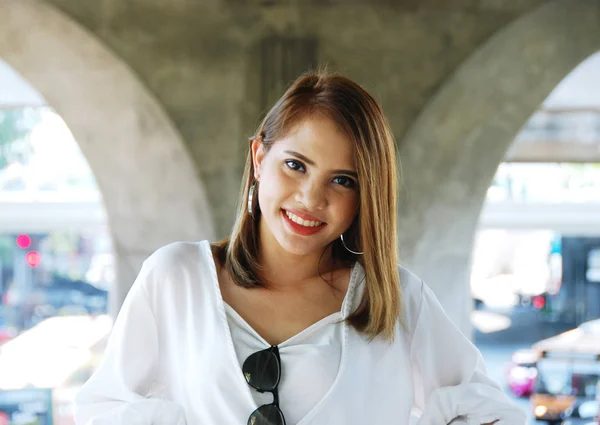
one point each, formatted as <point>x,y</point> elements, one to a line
<point>308,191</point>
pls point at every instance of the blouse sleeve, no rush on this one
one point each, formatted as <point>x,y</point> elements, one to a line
<point>449,377</point>
<point>117,393</point>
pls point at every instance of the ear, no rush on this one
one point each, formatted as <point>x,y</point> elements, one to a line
<point>258,154</point>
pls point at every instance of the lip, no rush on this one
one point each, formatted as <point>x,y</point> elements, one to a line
<point>299,229</point>
<point>303,215</point>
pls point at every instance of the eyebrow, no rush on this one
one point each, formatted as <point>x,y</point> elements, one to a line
<point>311,162</point>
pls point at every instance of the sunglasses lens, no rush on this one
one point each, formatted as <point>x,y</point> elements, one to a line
<point>262,371</point>
<point>269,414</point>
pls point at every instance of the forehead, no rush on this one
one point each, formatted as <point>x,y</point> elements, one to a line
<point>320,139</point>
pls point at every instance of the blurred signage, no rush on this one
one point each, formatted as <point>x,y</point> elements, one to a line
<point>31,406</point>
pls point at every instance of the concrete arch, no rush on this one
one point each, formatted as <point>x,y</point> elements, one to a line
<point>151,191</point>
<point>462,134</point>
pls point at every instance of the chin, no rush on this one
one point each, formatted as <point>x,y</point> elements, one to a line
<point>301,245</point>
<point>301,248</point>
<point>294,243</point>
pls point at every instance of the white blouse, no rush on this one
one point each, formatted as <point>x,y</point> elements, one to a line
<point>174,358</point>
<point>310,361</point>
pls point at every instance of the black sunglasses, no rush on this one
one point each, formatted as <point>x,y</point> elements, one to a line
<point>262,371</point>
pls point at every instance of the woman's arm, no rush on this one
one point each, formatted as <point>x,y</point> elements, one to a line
<point>449,375</point>
<point>116,394</point>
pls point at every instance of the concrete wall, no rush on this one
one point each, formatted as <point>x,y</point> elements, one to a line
<point>453,149</point>
<point>199,58</point>
<point>453,77</point>
<point>148,182</point>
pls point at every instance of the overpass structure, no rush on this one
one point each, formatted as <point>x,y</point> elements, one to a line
<point>564,218</point>
<point>89,216</point>
<point>555,134</point>
<point>49,216</point>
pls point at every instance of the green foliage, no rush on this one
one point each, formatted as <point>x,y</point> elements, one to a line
<point>6,248</point>
<point>62,242</point>
<point>15,126</point>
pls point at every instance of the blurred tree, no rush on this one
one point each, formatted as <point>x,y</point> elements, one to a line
<point>6,248</point>
<point>15,126</point>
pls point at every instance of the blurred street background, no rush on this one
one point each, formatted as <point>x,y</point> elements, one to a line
<point>497,349</point>
<point>124,127</point>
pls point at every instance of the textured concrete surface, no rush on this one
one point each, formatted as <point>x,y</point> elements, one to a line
<point>201,60</point>
<point>151,191</point>
<point>452,151</point>
<point>456,78</point>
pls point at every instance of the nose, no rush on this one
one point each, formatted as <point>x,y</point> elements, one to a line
<point>312,195</point>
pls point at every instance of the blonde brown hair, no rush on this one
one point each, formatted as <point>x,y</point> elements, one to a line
<point>373,232</point>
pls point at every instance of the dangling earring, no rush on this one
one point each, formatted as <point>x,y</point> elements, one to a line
<point>251,199</point>
<point>343,243</point>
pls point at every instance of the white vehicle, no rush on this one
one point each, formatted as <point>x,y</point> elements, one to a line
<point>568,371</point>
<point>42,368</point>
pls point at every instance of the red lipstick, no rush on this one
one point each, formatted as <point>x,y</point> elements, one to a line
<point>299,229</point>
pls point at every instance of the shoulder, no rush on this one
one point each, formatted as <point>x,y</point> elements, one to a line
<point>411,291</point>
<point>176,255</point>
<point>409,282</point>
<point>177,262</point>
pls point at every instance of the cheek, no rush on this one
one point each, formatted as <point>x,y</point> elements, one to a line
<point>352,201</point>
<point>274,186</point>
<point>354,207</point>
<point>347,207</point>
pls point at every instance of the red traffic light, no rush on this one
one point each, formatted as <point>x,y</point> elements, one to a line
<point>23,241</point>
<point>539,302</point>
<point>33,259</point>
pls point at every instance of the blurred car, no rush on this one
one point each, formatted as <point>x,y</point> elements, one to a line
<point>6,331</point>
<point>568,375</point>
<point>584,412</point>
<point>521,373</point>
<point>43,368</point>
<point>63,296</point>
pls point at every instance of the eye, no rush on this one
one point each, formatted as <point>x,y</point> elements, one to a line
<point>294,165</point>
<point>344,181</point>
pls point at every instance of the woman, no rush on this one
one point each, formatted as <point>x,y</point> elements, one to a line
<point>302,316</point>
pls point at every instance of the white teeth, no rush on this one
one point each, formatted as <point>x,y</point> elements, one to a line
<point>302,222</point>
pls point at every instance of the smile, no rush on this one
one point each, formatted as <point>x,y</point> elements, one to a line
<point>301,222</point>
<point>300,226</point>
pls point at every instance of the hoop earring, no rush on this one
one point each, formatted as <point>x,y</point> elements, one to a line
<point>251,199</point>
<point>348,249</point>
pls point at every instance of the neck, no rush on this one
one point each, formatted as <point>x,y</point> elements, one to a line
<point>282,270</point>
